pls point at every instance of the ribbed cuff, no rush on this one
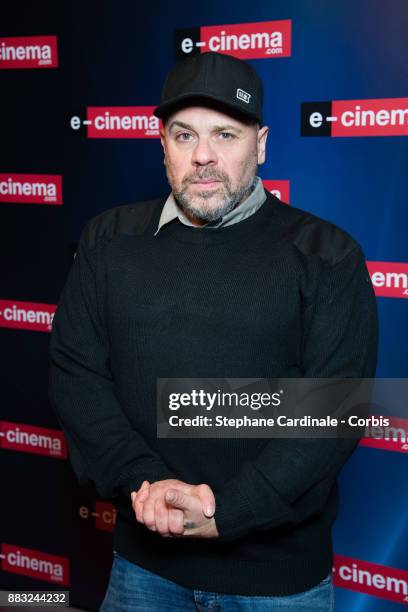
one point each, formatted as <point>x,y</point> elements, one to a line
<point>233,515</point>
<point>255,505</point>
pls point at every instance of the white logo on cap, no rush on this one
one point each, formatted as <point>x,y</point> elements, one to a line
<point>243,95</point>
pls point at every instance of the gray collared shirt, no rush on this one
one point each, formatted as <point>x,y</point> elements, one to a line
<point>171,209</point>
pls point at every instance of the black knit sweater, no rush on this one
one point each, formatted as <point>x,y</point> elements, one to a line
<point>282,293</point>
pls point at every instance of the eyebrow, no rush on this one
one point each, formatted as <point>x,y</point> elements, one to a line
<point>216,128</point>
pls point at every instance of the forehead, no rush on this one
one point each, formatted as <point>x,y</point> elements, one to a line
<point>202,117</point>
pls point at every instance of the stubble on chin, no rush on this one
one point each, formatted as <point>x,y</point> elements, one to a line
<point>205,205</point>
<point>209,205</point>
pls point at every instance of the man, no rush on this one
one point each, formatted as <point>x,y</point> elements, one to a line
<point>219,279</point>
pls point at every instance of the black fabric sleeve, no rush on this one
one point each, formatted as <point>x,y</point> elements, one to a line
<point>291,479</point>
<point>103,446</point>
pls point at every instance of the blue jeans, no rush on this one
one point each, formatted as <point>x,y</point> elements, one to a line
<point>131,587</point>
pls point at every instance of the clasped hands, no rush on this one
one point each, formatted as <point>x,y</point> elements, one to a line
<point>174,508</point>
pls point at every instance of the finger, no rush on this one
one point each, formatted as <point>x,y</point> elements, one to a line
<point>177,499</point>
<point>138,498</point>
<point>144,487</point>
<point>161,515</point>
<point>144,484</point>
<point>208,500</point>
<point>148,512</point>
<point>143,494</point>
<point>176,522</point>
<point>138,508</point>
<point>184,487</point>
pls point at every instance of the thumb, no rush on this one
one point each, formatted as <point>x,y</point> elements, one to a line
<point>177,499</point>
<point>207,498</point>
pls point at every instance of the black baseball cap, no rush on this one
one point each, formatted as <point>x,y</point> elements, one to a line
<point>216,80</point>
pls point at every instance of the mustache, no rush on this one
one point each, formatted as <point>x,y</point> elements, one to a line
<point>204,176</point>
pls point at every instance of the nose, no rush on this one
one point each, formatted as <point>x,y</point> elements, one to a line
<point>203,153</point>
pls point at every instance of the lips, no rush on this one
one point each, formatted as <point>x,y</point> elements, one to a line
<point>206,182</point>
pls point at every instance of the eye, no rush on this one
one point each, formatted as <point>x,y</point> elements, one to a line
<point>183,136</point>
<point>226,136</point>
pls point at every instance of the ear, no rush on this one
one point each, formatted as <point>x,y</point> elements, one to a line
<point>261,143</point>
<point>162,132</point>
<point>163,142</point>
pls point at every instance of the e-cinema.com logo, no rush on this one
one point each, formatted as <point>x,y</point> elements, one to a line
<point>29,52</point>
<point>118,122</point>
<point>280,189</point>
<point>389,278</point>
<point>27,315</point>
<point>34,563</point>
<point>31,188</point>
<point>362,576</point>
<point>104,515</point>
<point>33,439</point>
<point>378,117</point>
<point>264,39</point>
<point>393,437</point>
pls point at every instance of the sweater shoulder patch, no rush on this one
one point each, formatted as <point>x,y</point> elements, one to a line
<point>130,219</point>
<point>312,235</point>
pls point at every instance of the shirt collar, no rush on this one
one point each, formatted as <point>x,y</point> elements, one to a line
<point>171,210</point>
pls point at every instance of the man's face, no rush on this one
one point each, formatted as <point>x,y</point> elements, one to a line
<point>211,160</point>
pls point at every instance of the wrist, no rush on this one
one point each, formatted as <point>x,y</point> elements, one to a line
<point>212,528</point>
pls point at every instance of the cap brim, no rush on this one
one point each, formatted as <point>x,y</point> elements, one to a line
<point>203,99</point>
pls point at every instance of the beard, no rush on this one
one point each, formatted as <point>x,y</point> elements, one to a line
<point>211,205</point>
